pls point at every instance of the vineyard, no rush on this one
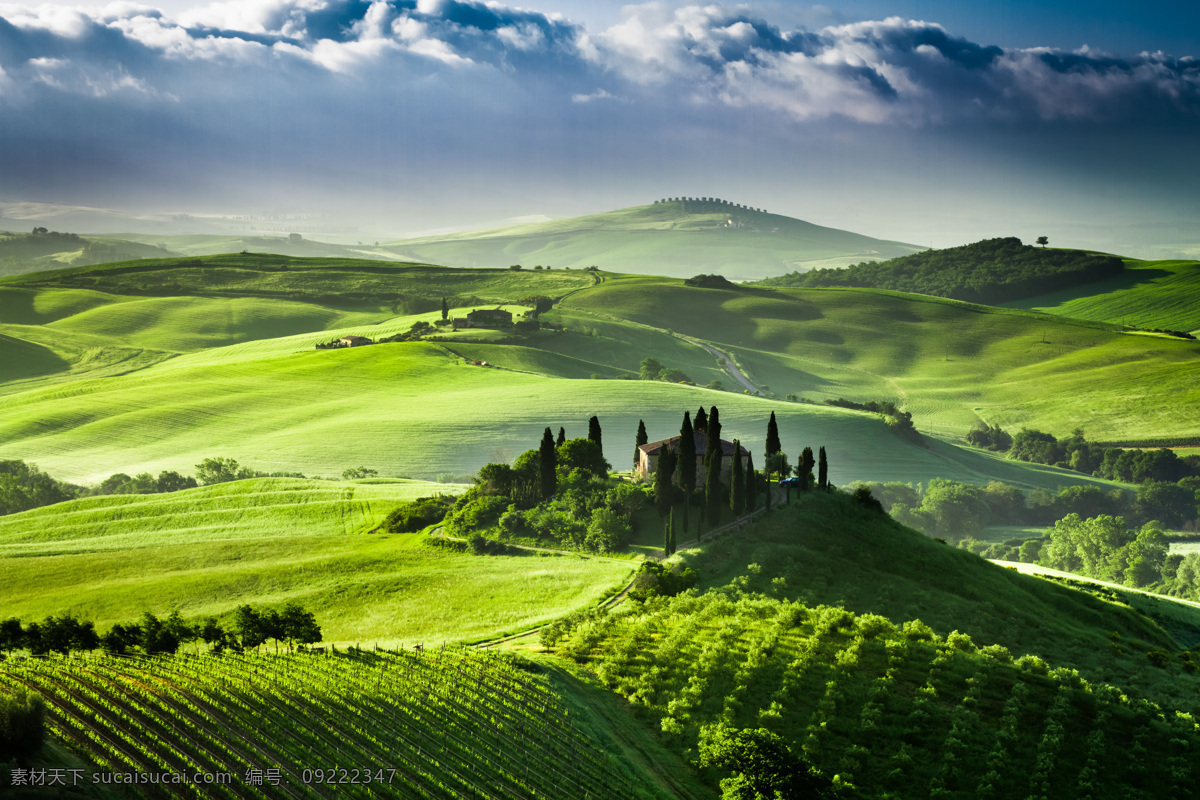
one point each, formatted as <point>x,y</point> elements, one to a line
<point>895,710</point>
<point>445,723</point>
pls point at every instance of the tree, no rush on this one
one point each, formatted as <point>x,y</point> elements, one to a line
<point>22,726</point>
<point>594,433</point>
<point>701,421</point>
<point>641,439</point>
<point>445,309</point>
<point>299,626</point>
<point>582,454</point>
<point>248,625</point>
<point>1042,240</point>
<point>218,470</point>
<point>737,482</point>
<point>751,484</point>
<point>650,369</point>
<point>687,457</point>
<point>562,437</point>
<point>804,470</point>
<point>773,443</point>
<point>663,489</point>
<point>712,487</point>
<point>763,766</point>
<point>547,466</point>
<point>822,471</point>
<point>713,435</point>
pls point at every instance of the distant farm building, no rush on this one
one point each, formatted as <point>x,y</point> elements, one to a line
<point>295,237</point>
<point>648,455</point>
<point>353,341</point>
<point>487,318</point>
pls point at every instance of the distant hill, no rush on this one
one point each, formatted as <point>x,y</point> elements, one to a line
<point>990,271</point>
<point>208,244</point>
<point>44,250</point>
<point>676,238</point>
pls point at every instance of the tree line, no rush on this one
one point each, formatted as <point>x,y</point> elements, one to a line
<point>1076,453</point>
<point>989,271</point>
<point>249,628</point>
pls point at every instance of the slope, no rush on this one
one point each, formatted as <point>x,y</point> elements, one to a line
<point>908,668</point>
<point>45,250</point>
<point>676,238</point>
<point>949,363</point>
<point>205,551</point>
<point>1148,294</point>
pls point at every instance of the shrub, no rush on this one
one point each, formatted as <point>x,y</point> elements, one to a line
<point>22,726</point>
<point>417,514</point>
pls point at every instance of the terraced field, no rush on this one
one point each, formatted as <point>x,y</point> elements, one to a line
<point>444,723</point>
<point>271,540</point>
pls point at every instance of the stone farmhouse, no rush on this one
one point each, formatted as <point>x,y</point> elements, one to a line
<point>485,318</point>
<point>648,456</point>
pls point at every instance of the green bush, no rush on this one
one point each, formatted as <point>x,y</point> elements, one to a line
<point>22,726</point>
<point>417,514</point>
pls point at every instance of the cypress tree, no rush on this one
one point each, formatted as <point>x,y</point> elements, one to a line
<point>445,309</point>
<point>562,437</point>
<point>671,523</point>
<point>594,433</point>
<point>822,472</point>
<point>805,469</point>
<point>737,482</point>
<point>773,443</point>
<point>641,439</point>
<point>751,484</point>
<point>547,466</point>
<point>712,489</point>
<point>713,436</point>
<point>701,423</point>
<point>687,457</point>
<point>662,481</point>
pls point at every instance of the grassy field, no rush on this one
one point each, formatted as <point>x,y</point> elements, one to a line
<point>1150,294</point>
<point>663,239</point>
<point>1000,365</point>
<point>269,541</point>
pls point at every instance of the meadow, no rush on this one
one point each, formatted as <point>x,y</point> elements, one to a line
<point>205,551</point>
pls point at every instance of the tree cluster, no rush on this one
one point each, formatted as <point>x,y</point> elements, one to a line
<point>990,271</point>
<point>1112,463</point>
<point>653,370</point>
<point>414,515</point>
<point>898,421</point>
<point>248,629</point>
<point>710,282</point>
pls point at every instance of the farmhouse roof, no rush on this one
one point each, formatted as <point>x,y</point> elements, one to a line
<point>699,437</point>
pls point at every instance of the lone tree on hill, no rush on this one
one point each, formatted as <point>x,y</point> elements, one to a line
<point>594,432</point>
<point>640,440</point>
<point>701,423</point>
<point>562,437</point>
<point>822,471</point>
<point>751,484</point>
<point>1043,241</point>
<point>445,309</point>
<point>805,470</point>
<point>737,482</point>
<point>547,466</point>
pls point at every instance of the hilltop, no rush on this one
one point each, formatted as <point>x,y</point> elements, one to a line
<point>990,271</point>
<point>679,237</point>
<point>47,250</point>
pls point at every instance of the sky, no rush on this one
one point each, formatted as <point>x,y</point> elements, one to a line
<point>935,122</point>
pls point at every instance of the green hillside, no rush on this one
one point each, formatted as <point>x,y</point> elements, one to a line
<point>907,668</point>
<point>269,540</point>
<point>1148,294</point>
<point>675,238</point>
<point>989,271</point>
<point>949,363</point>
<point>209,244</point>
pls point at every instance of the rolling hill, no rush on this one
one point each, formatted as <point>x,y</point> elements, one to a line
<point>675,238</point>
<point>46,250</point>
<point>1148,294</point>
